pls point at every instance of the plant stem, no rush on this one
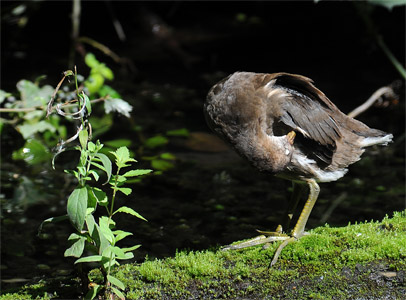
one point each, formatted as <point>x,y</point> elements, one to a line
<point>76,11</point>
<point>391,57</point>
<point>365,15</point>
<point>42,107</point>
<point>114,194</point>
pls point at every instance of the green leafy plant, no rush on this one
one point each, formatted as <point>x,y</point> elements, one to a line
<point>26,111</point>
<point>99,237</point>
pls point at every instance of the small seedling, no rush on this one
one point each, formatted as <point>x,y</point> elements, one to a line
<point>99,237</point>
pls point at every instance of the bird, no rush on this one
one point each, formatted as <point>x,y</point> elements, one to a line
<point>285,126</point>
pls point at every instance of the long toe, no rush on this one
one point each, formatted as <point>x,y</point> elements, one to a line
<point>259,240</point>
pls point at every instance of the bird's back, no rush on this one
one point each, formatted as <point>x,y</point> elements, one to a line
<point>255,112</point>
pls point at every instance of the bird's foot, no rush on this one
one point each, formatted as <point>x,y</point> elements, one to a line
<point>278,232</point>
<point>259,240</point>
<point>265,239</point>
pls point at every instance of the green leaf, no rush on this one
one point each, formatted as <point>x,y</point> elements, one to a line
<point>121,235</point>
<point>119,143</point>
<point>108,264</point>
<point>29,129</point>
<point>91,223</point>
<point>156,141</point>
<point>109,258</point>
<point>95,174</point>
<point>138,172</point>
<point>97,165</point>
<point>83,138</point>
<point>122,155</point>
<point>131,248</point>
<point>33,153</point>
<point>120,178</point>
<point>118,293</point>
<point>91,61</point>
<point>105,229</point>
<point>106,164</point>
<point>92,293</point>
<point>108,90</point>
<point>82,170</point>
<point>91,258</point>
<point>161,165</point>
<point>168,156</point>
<point>118,252</point>
<point>101,241</point>
<point>107,253</point>
<point>124,190</point>
<point>94,82</point>
<point>106,72</point>
<point>100,125</point>
<point>129,255</point>
<point>52,220</point>
<point>91,146</point>
<point>77,205</point>
<point>91,201</point>
<point>88,103</point>
<point>99,195</point>
<point>128,210</point>
<point>32,95</point>
<point>76,249</point>
<point>4,95</point>
<point>116,282</point>
<point>83,160</point>
<point>178,132</point>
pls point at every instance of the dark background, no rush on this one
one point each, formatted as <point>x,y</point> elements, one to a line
<point>211,198</point>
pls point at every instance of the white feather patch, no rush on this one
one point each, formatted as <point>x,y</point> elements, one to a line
<point>383,140</point>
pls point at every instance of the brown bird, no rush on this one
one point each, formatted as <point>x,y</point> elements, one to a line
<point>282,124</point>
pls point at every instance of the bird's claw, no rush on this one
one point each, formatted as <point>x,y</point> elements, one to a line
<point>277,232</point>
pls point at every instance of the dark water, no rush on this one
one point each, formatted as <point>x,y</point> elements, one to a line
<point>177,51</point>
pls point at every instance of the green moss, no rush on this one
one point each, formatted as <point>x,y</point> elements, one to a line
<point>198,264</point>
<point>34,291</point>
<point>329,263</point>
<point>156,271</point>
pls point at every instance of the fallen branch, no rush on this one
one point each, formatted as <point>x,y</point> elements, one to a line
<point>385,91</point>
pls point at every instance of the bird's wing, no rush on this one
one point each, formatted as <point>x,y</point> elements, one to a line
<point>306,110</point>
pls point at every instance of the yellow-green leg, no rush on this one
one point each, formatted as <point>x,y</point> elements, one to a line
<point>297,231</point>
<point>297,192</point>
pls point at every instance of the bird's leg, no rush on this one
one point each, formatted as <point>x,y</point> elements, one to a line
<point>298,230</point>
<point>298,189</point>
<point>292,204</point>
<point>271,236</point>
<point>297,192</point>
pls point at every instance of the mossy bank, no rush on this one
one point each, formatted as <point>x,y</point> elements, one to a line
<point>359,261</point>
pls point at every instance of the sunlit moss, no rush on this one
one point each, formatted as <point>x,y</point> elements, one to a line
<point>329,263</point>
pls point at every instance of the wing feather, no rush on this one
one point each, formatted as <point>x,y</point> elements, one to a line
<point>308,111</point>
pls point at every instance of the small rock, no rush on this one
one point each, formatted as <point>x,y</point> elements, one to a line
<point>388,275</point>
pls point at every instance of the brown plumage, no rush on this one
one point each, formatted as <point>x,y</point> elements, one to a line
<point>282,124</point>
<point>254,112</point>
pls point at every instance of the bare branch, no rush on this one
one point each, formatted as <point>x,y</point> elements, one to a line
<point>383,91</point>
